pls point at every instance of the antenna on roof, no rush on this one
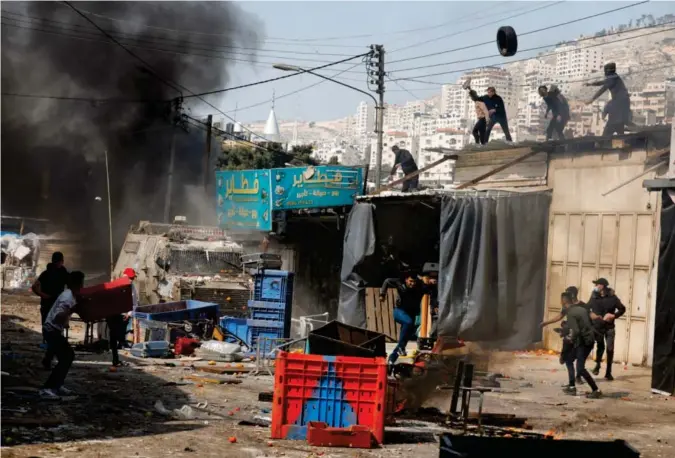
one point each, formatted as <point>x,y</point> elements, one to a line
<point>273,98</point>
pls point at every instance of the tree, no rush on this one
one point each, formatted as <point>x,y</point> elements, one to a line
<point>269,156</point>
<point>333,161</point>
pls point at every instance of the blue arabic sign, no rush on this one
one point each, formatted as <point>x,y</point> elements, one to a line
<point>244,199</point>
<point>315,186</point>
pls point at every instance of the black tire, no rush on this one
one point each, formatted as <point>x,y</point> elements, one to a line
<point>507,41</point>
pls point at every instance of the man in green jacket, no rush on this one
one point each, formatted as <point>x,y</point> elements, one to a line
<point>582,338</point>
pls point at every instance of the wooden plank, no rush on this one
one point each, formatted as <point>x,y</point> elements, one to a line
<point>391,299</point>
<point>384,310</point>
<point>416,173</point>
<point>371,311</point>
<point>480,178</point>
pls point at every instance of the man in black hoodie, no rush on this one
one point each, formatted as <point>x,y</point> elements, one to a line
<point>49,285</point>
<point>557,104</point>
<point>605,307</point>
<point>497,110</point>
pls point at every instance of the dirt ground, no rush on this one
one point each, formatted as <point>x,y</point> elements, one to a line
<point>114,413</point>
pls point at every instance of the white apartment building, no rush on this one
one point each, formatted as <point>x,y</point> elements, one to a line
<point>393,117</point>
<point>391,138</point>
<point>365,119</point>
<point>442,174</point>
<point>575,62</point>
<point>649,104</point>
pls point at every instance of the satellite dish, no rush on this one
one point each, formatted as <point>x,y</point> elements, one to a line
<point>507,41</point>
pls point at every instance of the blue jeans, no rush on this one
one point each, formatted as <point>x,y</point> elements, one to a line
<point>407,332</point>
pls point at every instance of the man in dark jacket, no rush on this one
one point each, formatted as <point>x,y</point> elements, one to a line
<point>497,110</point>
<point>619,113</point>
<point>408,305</point>
<point>605,307</point>
<point>581,338</point>
<point>49,285</point>
<point>404,159</point>
<point>557,104</point>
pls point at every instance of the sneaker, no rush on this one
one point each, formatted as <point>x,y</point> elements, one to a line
<point>49,394</point>
<point>596,370</point>
<point>571,390</point>
<point>63,391</point>
<point>609,377</point>
<point>594,395</point>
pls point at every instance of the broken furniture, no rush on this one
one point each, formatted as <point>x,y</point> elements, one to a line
<point>188,317</point>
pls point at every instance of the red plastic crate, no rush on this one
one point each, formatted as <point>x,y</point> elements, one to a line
<point>340,391</point>
<point>105,300</point>
<point>319,434</point>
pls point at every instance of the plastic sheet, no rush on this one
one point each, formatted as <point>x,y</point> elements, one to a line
<point>493,267</point>
<point>663,367</point>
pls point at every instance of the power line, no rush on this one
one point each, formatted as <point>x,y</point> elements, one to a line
<point>288,94</point>
<point>256,83</point>
<point>170,51</point>
<point>166,39</point>
<point>291,41</point>
<point>522,34</point>
<point>403,88</point>
<point>537,48</point>
<point>527,58</point>
<point>414,45</point>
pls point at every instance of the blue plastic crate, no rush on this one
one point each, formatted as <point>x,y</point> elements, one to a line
<point>271,311</point>
<point>258,329</point>
<point>274,286</point>
<point>236,326</point>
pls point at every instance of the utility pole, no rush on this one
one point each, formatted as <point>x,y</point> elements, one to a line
<point>169,181</point>
<point>378,56</point>
<point>207,152</point>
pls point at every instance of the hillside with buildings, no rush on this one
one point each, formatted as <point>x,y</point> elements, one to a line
<point>644,51</point>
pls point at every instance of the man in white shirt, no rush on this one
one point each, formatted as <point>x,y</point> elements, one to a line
<point>55,322</point>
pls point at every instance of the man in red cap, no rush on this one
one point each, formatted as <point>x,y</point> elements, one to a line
<point>117,325</point>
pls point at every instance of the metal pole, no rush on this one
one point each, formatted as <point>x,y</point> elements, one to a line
<point>207,152</point>
<point>380,118</point>
<point>107,179</point>
<point>169,181</point>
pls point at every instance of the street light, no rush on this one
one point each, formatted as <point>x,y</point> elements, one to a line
<point>378,129</point>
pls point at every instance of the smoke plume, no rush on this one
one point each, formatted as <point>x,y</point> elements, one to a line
<point>53,150</point>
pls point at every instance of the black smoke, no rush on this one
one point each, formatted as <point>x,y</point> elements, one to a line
<point>52,150</point>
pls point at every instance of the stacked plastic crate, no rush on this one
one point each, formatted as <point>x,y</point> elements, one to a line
<point>269,311</point>
<point>328,399</point>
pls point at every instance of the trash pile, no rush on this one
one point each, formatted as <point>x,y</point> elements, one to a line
<point>20,255</point>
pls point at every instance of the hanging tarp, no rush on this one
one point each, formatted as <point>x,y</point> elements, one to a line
<point>358,245</point>
<point>492,259</point>
<point>493,267</point>
<point>663,366</point>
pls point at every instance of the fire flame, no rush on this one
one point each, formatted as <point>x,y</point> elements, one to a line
<point>554,434</point>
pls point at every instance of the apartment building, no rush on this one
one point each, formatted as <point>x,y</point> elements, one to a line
<point>574,61</point>
<point>649,104</point>
<point>365,119</point>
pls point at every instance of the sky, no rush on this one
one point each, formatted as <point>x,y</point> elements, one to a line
<point>312,33</point>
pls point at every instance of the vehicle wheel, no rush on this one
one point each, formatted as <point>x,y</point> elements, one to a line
<point>507,41</point>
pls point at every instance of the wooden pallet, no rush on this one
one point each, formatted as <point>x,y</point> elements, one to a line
<point>380,315</point>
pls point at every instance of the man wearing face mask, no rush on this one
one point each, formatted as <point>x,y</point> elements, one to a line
<point>605,307</point>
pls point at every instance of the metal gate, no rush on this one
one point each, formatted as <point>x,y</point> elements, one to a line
<point>617,246</point>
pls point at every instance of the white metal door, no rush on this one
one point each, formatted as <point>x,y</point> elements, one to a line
<point>616,246</point>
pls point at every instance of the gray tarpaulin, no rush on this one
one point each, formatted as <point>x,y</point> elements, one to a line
<point>493,267</point>
<point>359,243</point>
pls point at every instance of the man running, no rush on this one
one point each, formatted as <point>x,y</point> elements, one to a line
<point>605,308</point>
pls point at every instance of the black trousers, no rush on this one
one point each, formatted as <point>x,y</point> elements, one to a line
<point>602,337</point>
<point>612,128</point>
<point>580,353</point>
<point>479,131</point>
<point>65,355</point>
<point>411,184</point>
<point>49,355</point>
<point>117,328</point>
<point>557,127</point>
<point>502,121</point>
